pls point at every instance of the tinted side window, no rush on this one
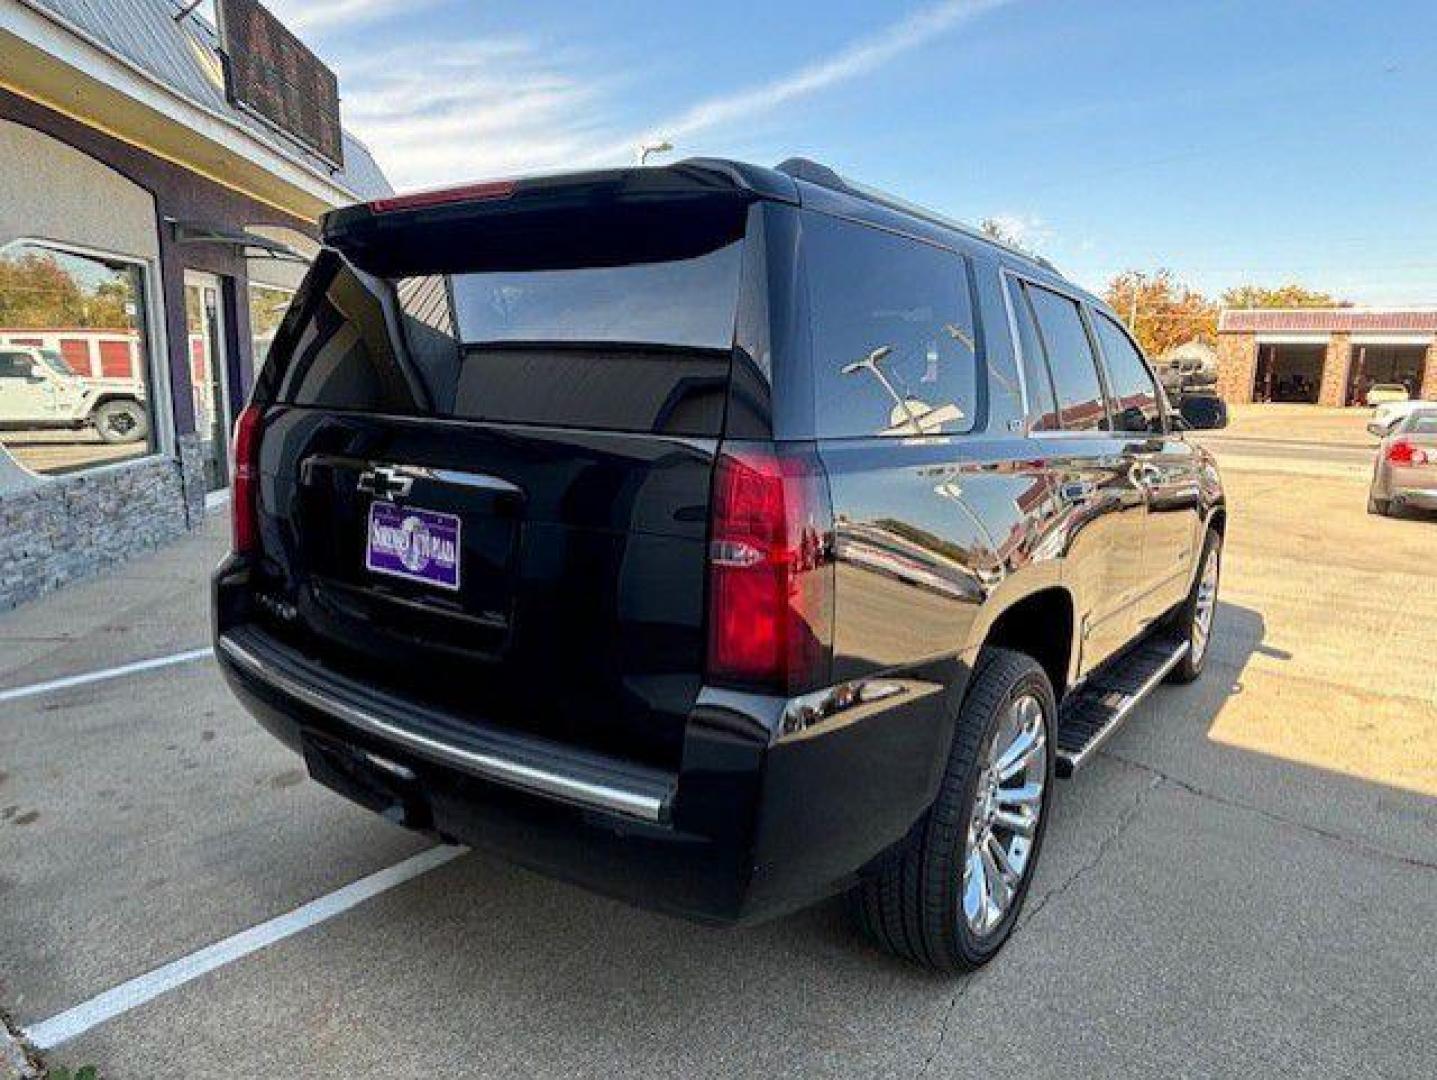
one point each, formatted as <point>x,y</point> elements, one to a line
<point>1042,405</point>
<point>1134,394</point>
<point>1071,360</point>
<point>894,346</point>
<point>15,365</point>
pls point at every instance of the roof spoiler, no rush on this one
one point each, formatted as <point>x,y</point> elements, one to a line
<point>691,177</point>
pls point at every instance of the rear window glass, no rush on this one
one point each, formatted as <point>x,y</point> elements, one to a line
<point>637,342</point>
<point>1423,423</point>
<point>687,303</point>
<point>894,344</point>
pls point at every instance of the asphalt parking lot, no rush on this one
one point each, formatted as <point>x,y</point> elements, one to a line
<point>1245,882</point>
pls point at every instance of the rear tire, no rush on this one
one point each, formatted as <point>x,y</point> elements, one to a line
<point>1196,619</point>
<point>121,421</point>
<point>926,903</point>
<point>1381,507</point>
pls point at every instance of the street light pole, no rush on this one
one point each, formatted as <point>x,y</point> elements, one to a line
<point>662,146</point>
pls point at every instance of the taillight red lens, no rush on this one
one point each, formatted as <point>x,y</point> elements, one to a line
<point>419,200</point>
<point>244,491</point>
<point>770,570</point>
<point>1403,452</point>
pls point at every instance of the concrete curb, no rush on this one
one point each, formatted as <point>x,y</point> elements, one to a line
<point>16,1060</point>
<point>1302,444</point>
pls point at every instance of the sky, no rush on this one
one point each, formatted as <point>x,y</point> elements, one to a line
<point>1267,140</point>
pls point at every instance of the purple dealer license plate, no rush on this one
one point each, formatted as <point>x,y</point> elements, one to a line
<point>417,545</point>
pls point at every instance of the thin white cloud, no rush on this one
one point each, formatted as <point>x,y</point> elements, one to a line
<point>496,107</point>
<point>438,114</point>
<point>862,57</point>
<point>310,15</point>
<point>1026,230</point>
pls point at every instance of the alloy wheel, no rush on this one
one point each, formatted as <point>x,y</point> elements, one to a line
<point>1007,806</point>
<point>1204,605</point>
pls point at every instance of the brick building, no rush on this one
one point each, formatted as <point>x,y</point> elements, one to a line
<point>1325,356</point>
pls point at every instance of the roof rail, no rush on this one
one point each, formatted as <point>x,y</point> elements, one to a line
<point>824,176</point>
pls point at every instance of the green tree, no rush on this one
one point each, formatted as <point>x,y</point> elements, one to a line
<point>1291,295</point>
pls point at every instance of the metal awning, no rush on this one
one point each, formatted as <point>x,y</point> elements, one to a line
<point>251,244</point>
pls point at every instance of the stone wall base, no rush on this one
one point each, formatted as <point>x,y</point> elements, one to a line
<point>66,528</point>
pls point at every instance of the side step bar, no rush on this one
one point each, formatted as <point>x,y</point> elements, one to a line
<point>1091,716</point>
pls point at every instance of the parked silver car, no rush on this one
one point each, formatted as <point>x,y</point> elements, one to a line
<point>1388,416</point>
<point>1406,471</point>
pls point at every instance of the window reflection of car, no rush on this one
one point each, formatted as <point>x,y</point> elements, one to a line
<point>900,550</point>
<point>40,391</point>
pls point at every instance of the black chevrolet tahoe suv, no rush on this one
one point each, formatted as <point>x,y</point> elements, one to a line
<point>717,537</point>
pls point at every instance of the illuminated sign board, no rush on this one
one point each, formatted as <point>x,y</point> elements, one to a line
<point>270,74</point>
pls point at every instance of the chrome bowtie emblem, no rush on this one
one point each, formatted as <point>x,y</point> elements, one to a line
<point>385,482</point>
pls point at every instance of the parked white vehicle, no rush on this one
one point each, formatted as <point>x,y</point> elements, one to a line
<point>38,390</point>
<point>1385,393</point>
<point>1387,416</point>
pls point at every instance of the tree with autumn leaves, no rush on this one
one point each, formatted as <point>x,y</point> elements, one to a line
<point>1162,312</point>
<point>37,291</point>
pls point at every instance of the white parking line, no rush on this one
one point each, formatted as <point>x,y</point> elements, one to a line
<point>128,995</point>
<point>18,692</point>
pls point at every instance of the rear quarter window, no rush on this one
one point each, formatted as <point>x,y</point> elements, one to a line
<point>895,348</point>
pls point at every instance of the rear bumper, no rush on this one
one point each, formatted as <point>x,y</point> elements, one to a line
<point>778,802</point>
<point>1409,485</point>
<point>1423,497</point>
<point>582,779</point>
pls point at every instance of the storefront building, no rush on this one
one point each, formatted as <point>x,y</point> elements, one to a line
<point>151,234</point>
<point>1326,356</point>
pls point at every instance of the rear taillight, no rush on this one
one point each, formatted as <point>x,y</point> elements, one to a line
<point>770,570</point>
<point>1403,452</point>
<point>244,492</point>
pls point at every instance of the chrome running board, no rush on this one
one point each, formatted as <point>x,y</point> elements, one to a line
<point>1092,715</point>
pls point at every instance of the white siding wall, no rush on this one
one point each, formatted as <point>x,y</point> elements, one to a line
<point>51,191</point>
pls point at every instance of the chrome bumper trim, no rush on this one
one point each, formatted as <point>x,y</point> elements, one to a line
<point>501,770</point>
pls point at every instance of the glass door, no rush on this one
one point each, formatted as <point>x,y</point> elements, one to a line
<point>209,368</point>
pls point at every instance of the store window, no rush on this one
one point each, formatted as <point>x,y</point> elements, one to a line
<point>267,305</point>
<point>75,383</point>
